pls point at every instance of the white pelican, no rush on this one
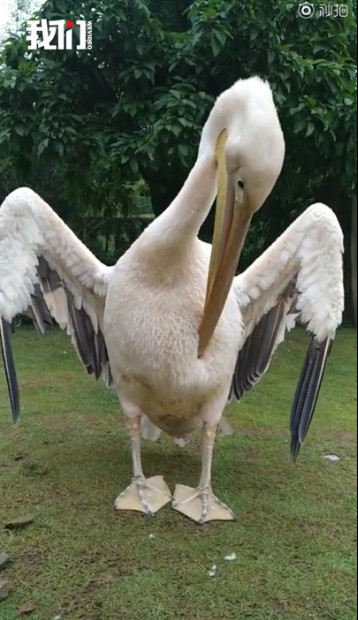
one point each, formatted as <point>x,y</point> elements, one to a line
<point>169,324</point>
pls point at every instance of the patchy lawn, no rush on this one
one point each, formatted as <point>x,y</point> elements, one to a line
<point>68,458</point>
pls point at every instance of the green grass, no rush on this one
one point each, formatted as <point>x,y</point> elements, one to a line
<point>68,458</point>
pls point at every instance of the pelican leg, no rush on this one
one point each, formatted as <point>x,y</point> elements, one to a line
<point>200,504</point>
<point>146,495</point>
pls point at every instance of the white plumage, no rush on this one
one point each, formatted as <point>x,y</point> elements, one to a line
<point>175,341</point>
<point>310,252</point>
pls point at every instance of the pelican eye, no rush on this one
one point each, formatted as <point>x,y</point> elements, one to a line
<point>240,184</point>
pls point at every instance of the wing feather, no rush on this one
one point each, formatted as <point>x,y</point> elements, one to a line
<point>255,356</point>
<point>307,391</point>
<point>10,369</point>
<point>38,311</point>
<point>47,273</point>
<point>298,278</point>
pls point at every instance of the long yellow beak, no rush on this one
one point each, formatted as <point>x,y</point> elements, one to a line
<point>230,230</point>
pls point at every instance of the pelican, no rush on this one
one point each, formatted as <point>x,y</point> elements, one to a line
<point>170,325</point>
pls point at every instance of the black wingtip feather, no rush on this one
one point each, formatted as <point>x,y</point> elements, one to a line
<point>10,370</point>
<point>253,359</point>
<point>294,450</point>
<point>307,392</point>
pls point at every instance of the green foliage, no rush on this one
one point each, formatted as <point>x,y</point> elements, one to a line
<point>81,127</point>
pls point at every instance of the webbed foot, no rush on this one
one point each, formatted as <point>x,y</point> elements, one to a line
<point>200,504</point>
<point>146,495</point>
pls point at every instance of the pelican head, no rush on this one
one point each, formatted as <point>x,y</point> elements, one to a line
<point>244,130</point>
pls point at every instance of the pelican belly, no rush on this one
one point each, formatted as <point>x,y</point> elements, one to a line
<point>151,323</point>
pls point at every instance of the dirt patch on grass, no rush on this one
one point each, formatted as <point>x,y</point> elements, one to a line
<point>32,562</point>
<point>34,469</point>
<point>262,433</point>
<point>33,557</point>
<point>85,603</point>
<point>72,420</point>
<point>345,439</point>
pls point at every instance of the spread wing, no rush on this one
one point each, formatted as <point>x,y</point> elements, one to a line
<point>47,273</point>
<point>298,278</point>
